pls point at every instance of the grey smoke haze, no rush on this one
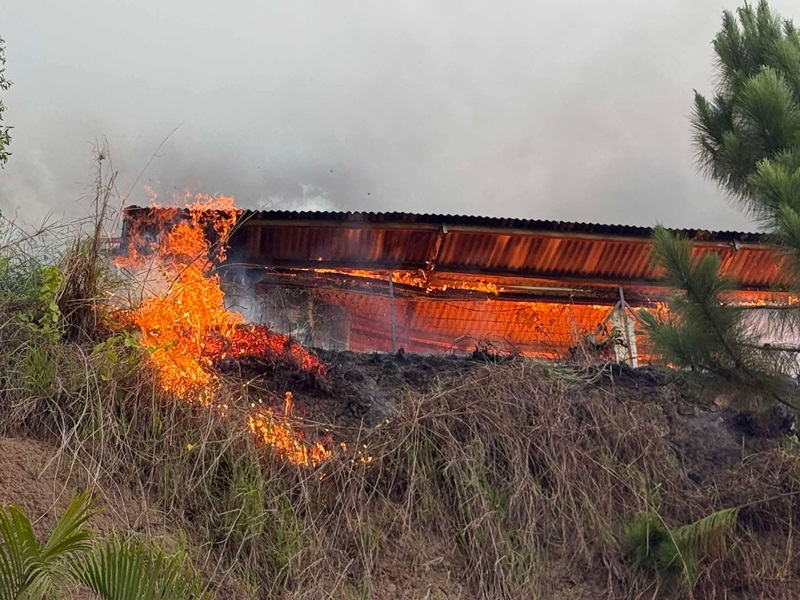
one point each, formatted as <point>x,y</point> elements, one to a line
<point>560,110</point>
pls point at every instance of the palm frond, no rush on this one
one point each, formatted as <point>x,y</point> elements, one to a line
<point>67,540</point>
<point>131,571</point>
<point>709,533</point>
<point>18,552</point>
<point>69,536</point>
<point>29,570</point>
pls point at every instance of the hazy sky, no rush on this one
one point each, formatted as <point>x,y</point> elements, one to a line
<point>553,110</point>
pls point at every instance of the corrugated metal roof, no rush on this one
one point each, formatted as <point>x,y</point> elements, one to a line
<point>493,222</point>
<point>588,253</point>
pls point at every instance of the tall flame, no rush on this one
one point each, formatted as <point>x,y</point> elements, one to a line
<point>175,323</point>
<point>185,325</point>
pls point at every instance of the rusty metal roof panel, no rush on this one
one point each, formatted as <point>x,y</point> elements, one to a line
<point>494,222</point>
<point>335,245</point>
<point>531,247</point>
<point>485,246</point>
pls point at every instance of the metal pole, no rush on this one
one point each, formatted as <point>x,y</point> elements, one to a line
<point>391,309</point>
<point>631,358</point>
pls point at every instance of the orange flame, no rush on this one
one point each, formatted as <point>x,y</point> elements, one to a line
<point>176,323</point>
<point>257,340</point>
<point>186,327</point>
<point>282,437</point>
<point>419,279</point>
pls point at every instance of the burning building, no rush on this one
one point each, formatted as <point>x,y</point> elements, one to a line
<point>439,283</point>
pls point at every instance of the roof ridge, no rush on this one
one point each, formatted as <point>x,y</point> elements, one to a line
<point>513,222</point>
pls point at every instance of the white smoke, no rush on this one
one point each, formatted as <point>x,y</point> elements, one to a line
<point>311,198</point>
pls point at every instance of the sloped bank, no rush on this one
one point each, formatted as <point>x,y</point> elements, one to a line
<point>478,480</point>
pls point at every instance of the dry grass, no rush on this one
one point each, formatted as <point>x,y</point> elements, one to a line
<point>517,482</point>
<point>522,477</point>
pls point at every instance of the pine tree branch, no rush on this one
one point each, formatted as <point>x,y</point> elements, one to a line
<point>696,297</point>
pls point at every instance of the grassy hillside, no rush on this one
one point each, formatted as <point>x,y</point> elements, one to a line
<point>446,477</point>
<point>516,481</point>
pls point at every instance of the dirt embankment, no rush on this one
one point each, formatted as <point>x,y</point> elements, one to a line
<point>526,463</point>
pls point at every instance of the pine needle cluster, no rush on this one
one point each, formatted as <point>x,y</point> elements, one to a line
<point>747,137</point>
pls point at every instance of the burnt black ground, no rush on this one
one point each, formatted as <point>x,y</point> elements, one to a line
<point>700,417</point>
<point>356,390</point>
<point>709,426</point>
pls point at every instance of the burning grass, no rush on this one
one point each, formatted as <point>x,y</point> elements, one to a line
<point>185,303</point>
<point>187,329</point>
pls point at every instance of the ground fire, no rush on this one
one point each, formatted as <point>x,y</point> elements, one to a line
<point>187,329</point>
